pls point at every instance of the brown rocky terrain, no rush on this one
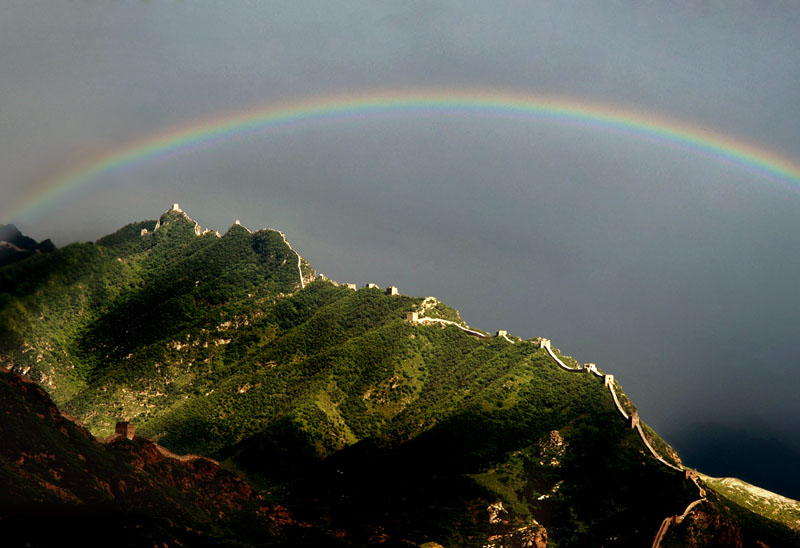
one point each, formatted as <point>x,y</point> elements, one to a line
<point>52,470</point>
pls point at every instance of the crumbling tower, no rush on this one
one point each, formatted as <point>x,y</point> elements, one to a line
<point>124,429</point>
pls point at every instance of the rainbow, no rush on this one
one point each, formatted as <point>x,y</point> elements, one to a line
<point>559,110</point>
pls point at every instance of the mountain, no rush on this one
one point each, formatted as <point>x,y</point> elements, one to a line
<point>14,246</point>
<point>371,416</point>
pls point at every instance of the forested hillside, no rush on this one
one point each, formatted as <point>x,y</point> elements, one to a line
<point>369,427</point>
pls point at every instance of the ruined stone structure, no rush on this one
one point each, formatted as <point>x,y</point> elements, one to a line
<point>633,420</point>
<point>412,317</point>
<point>392,290</point>
<point>124,428</point>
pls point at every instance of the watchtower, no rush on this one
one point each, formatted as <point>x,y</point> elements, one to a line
<point>501,333</point>
<point>176,207</point>
<point>372,286</point>
<point>633,420</point>
<point>392,290</point>
<point>544,343</point>
<point>412,317</point>
<point>690,474</point>
<point>608,380</point>
<point>590,367</point>
<point>125,429</point>
<point>352,286</point>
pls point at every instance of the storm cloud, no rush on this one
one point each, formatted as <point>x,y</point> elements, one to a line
<point>672,270</point>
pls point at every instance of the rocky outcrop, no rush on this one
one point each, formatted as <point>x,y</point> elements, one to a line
<point>711,529</point>
<point>506,535</point>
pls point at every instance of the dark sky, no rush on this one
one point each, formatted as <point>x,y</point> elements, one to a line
<point>673,271</point>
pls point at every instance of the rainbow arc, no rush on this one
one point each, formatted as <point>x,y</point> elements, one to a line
<point>558,110</point>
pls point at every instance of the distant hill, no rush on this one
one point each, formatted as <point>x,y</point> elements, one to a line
<point>374,418</point>
<point>14,246</point>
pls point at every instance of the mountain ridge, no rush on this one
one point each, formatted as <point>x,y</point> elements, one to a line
<point>223,345</point>
<point>15,246</point>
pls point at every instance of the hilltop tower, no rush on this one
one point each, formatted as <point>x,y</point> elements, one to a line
<point>544,343</point>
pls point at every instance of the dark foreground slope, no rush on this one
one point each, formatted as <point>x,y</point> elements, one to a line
<point>58,484</point>
<point>371,428</point>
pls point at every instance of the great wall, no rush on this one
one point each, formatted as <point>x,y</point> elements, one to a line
<point>608,381</point>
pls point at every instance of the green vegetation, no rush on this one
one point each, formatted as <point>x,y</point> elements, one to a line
<point>325,398</point>
<point>753,499</point>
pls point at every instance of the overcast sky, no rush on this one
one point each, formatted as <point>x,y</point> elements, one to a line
<point>673,271</point>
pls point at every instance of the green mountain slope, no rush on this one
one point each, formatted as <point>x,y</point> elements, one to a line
<point>375,428</point>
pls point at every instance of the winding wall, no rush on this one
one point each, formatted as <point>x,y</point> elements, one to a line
<point>461,327</point>
<point>616,401</point>
<point>618,406</point>
<point>669,520</point>
<point>662,530</point>
<point>564,366</point>
<point>183,458</point>
<point>299,259</point>
<point>653,451</point>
